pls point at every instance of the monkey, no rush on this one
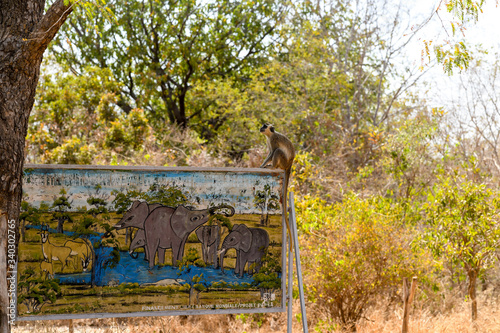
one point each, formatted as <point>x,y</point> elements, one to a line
<point>281,155</point>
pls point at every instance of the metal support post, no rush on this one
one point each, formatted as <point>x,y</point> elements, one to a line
<point>293,226</point>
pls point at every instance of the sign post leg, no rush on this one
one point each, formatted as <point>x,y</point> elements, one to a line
<point>290,288</point>
<point>293,226</point>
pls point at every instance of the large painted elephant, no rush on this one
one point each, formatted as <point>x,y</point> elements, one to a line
<point>250,243</point>
<point>167,230</point>
<point>209,236</point>
<point>137,214</point>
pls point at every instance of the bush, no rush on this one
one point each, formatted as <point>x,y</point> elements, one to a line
<point>354,252</point>
<point>462,229</point>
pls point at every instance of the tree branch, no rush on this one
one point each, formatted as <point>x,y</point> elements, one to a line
<point>49,25</point>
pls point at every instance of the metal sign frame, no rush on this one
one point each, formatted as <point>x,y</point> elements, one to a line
<point>191,311</point>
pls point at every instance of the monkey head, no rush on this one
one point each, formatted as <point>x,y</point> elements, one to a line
<point>267,129</point>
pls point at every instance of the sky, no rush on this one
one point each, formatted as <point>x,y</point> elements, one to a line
<point>484,31</point>
<point>442,89</point>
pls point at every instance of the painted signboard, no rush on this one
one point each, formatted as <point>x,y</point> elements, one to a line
<point>132,241</point>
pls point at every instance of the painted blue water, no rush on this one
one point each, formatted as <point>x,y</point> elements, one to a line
<point>131,270</point>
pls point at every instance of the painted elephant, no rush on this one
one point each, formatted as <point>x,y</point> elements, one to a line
<point>137,214</point>
<point>209,236</point>
<point>138,241</point>
<point>167,230</point>
<point>250,244</point>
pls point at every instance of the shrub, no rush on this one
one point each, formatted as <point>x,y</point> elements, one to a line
<point>462,228</point>
<point>354,251</point>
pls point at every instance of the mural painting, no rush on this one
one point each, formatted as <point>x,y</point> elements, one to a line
<point>136,241</point>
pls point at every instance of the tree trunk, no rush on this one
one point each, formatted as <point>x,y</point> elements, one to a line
<point>25,33</point>
<point>180,115</point>
<point>472,294</point>
<point>17,91</point>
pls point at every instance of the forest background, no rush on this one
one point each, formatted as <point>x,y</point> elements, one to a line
<point>387,184</point>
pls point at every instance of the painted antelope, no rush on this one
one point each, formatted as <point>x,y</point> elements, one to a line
<point>82,251</point>
<point>53,252</point>
<point>47,270</point>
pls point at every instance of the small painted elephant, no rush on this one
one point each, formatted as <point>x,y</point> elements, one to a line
<point>165,229</point>
<point>251,245</point>
<point>138,241</point>
<point>209,236</point>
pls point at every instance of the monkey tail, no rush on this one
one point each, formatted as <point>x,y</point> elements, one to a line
<point>285,201</point>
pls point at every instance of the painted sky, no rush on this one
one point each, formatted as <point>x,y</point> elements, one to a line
<point>211,187</point>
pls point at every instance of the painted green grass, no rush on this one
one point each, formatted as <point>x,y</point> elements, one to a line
<point>83,299</point>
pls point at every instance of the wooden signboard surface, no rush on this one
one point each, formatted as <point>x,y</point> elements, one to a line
<point>141,241</point>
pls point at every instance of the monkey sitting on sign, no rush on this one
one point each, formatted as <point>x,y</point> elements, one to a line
<point>281,155</point>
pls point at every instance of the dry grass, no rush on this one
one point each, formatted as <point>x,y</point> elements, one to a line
<point>181,324</point>
<point>379,320</point>
<point>458,320</point>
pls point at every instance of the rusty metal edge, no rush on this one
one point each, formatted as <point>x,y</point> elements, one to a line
<point>153,168</point>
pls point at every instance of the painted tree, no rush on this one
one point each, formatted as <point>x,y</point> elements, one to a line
<point>189,271</point>
<point>160,194</point>
<point>61,207</point>
<point>172,196</point>
<point>266,201</point>
<point>30,214</point>
<point>220,221</point>
<point>268,279</point>
<point>123,200</point>
<point>26,30</point>
<point>105,253</point>
<point>98,203</point>
<point>34,291</point>
<point>95,227</point>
